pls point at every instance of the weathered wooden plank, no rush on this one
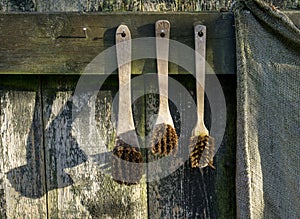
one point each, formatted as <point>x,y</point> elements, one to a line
<point>190,193</point>
<point>77,159</point>
<point>22,170</point>
<point>56,43</point>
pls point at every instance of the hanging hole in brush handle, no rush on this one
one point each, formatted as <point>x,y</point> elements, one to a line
<point>200,33</point>
<point>162,29</point>
<point>123,34</point>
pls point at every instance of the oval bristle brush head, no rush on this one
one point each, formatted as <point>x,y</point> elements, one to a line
<point>124,172</point>
<point>201,148</point>
<point>164,140</point>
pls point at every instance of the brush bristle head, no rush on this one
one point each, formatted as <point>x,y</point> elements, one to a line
<point>202,148</point>
<point>164,140</point>
<point>125,172</point>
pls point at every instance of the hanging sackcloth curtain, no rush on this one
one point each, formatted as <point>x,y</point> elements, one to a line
<point>268,120</point>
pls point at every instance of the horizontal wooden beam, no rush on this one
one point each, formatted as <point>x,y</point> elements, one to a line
<point>55,43</point>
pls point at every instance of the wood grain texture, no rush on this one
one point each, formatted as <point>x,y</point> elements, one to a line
<point>191,193</point>
<point>56,167</point>
<point>78,158</point>
<point>56,43</point>
<point>22,170</point>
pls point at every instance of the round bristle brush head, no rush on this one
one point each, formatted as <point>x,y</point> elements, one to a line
<point>197,146</point>
<point>125,172</point>
<point>164,140</point>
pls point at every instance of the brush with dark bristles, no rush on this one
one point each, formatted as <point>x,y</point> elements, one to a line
<point>201,144</point>
<point>126,163</point>
<point>202,151</point>
<point>164,137</point>
<point>127,159</point>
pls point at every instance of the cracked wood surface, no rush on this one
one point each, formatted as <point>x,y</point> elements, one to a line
<point>55,165</point>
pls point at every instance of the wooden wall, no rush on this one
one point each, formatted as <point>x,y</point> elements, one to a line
<point>53,167</point>
<point>50,167</point>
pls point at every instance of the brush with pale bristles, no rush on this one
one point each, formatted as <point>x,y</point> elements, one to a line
<point>164,137</point>
<point>201,144</point>
<point>127,159</point>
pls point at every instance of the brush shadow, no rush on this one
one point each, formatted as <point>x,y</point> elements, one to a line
<point>51,151</point>
<point>30,180</point>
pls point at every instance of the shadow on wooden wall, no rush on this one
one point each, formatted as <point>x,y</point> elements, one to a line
<point>28,179</point>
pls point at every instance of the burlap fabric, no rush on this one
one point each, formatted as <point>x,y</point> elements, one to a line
<point>268,143</point>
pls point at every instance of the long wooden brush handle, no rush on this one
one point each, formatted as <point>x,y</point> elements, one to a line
<point>123,49</point>
<point>162,33</point>
<point>200,47</point>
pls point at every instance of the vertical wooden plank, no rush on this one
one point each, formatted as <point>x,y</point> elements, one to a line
<point>163,193</point>
<point>191,193</point>
<point>168,195</point>
<point>62,151</point>
<point>22,174</point>
<point>77,158</point>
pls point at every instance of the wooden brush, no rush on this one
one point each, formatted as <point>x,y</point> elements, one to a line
<point>164,138</point>
<point>127,159</point>
<point>201,144</point>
